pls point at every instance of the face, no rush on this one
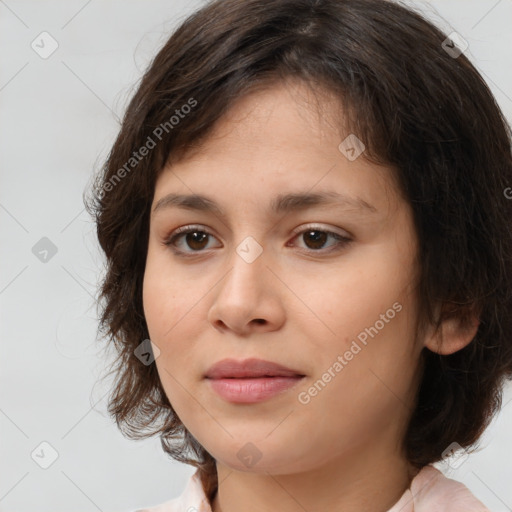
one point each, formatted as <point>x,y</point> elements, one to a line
<point>299,254</point>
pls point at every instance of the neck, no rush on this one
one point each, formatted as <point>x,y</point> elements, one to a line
<point>351,483</point>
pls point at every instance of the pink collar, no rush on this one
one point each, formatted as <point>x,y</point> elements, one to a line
<point>429,491</point>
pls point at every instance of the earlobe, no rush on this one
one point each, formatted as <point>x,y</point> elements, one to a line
<point>453,335</point>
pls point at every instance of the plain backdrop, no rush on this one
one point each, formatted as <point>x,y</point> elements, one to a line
<point>59,117</point>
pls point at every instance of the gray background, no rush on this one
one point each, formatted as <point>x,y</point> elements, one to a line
<point>58,119</point>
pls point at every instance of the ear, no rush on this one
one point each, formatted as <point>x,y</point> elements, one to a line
<point>455,332</point>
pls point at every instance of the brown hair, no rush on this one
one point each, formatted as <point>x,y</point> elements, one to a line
<point>418,108</point>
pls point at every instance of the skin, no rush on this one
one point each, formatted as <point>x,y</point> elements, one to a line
<point>296,304</point>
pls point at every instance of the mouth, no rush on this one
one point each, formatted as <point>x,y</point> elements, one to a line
<point>249,368</point>
<point>251,380</point>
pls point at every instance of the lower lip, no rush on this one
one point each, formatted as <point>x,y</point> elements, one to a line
<point>252,390</point>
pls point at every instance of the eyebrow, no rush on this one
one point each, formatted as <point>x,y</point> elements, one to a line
<point>284,203</point>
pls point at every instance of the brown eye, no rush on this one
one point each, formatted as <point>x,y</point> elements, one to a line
<point>316,238</point>
<point>192,241</point>
<point>188,240</point>
<point>196,240</point>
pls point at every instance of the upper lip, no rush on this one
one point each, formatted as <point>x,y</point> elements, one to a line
<point>231,368</point>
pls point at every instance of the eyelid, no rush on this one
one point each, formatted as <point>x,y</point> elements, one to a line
<point>343,239</point>
<point>185,230</point>
<point>319,227</point>
<point>295,231</point>
<point>190,227</point>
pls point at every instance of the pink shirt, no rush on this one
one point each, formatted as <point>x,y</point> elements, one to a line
<point>430,491</point>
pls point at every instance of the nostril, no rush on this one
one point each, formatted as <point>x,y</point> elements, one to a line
<point>259,320</point>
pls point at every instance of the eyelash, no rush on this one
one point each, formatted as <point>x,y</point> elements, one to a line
<point>170,241</point>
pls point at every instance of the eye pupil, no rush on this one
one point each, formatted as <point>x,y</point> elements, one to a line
<point>196,237</point>
<point>319,240</point>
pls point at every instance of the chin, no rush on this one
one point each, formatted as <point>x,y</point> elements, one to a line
<point>248,457</point>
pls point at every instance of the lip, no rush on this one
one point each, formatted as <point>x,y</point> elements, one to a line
<point>251,380</point>
<point>233,369</point>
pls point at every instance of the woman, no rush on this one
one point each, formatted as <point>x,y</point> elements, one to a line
<point>305,211</point>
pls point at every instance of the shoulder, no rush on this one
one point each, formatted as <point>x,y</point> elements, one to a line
<point>432,490</point>
<point>192,499</point>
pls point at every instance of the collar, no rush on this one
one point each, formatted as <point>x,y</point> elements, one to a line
<point>429,490</point>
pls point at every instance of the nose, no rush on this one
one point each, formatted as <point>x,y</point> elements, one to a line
<point>248,298</point>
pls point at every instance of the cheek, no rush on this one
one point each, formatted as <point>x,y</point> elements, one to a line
<point>158,301</point>
<point>163,310</point>
<point>164,302</point>
<point>365,386</point>
<point>174,317</point>
<point>370,311</point>
<point>365,296</point>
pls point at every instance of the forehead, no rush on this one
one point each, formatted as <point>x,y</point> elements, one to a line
<point>286,138</point>
<point>281,113</point>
